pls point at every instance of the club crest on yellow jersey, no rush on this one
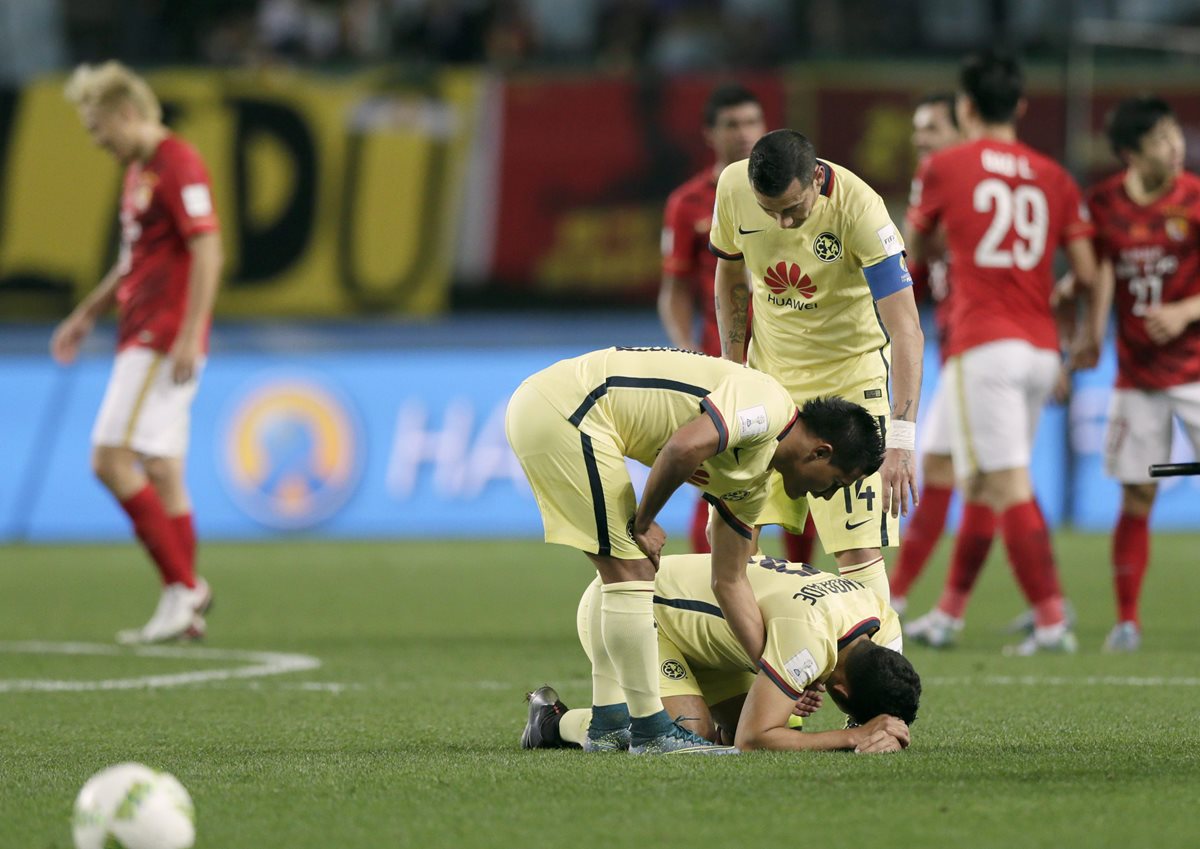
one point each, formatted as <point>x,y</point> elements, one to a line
<point>827,247</point>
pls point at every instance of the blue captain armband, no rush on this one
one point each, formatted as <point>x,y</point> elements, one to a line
<point>888,277</point>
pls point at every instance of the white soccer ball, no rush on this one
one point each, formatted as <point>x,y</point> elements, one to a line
<point>131,806</point>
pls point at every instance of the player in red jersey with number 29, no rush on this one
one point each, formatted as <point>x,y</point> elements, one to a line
<point>163,285</point>
<point>1004,209</point>
<point>1148,241</point>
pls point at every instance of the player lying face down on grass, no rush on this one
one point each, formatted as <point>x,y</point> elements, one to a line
<point>689,417</point>
<point>825,634</point>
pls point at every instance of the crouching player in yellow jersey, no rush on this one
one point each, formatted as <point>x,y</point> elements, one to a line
<point>824,633</point>
<point>688,417</point>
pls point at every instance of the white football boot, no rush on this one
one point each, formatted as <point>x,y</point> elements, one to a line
<point>936,629</point>
<point>1055,639</point>
<point>1124,637</point>
<point>179,615</point>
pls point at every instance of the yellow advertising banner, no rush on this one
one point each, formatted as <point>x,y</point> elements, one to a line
<point>337,195</point>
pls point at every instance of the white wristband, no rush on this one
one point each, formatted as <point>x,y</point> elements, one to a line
<point>902,434</point>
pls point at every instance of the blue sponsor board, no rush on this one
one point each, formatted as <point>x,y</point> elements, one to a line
<point>362,444</point>
<point>397,443</point>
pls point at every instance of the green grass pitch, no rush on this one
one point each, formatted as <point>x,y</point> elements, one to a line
<point>406,734</point>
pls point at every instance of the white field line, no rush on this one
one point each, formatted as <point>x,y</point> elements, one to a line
<point>262,664</point>
<point>1064,681</point>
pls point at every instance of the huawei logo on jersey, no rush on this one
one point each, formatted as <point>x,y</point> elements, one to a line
<point>782,276</point>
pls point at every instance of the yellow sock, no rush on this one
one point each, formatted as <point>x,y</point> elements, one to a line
<point>871,574</point>
<point>627,620</point>
<point>573,725</point>
<point>606,689</point>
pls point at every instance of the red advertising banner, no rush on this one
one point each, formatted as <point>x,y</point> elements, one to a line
<point>585,167</point>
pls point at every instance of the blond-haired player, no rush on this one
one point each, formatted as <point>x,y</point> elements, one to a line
<point>814,247</point>
<point>163,286</point>
<point>824,633</point>
<point>687,416</point>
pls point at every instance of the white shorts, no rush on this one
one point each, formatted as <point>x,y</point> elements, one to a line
<point>143,408</point>
<point>936,436</point>
<point>1140,428</point>
<point>996,393</point>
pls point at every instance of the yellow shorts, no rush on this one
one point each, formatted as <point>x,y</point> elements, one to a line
<point>677,677</point>
<point>579,479</point>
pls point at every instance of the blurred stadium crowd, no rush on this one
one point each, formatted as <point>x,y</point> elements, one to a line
<point>618,35</point>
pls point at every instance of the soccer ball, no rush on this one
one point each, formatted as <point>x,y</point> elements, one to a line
<point>131,806</point>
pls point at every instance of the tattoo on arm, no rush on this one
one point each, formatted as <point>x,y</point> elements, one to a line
<point>898,413</point>
<point>741,301</point>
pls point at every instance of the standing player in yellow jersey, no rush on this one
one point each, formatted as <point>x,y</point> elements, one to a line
<point>833,314</point>
<point>718,424</point>
<point>823,632</point>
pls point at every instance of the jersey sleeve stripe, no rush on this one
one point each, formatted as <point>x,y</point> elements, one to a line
<point>621,381</point>
<point>788,427</point>
<point>717,419</point>
<point>690,604</point>
<point>778,680</point>
<point>867,626</point>
<point>714,249</point>
<point>740,527</point>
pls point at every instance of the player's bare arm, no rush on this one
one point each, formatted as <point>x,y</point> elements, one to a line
<point>731,586</point>
<point>678,460</point>
<point>1085,345</point>
<point>676,311</point>
<point>764,726</point>
<point>732,289</point>
<point>70,333</point>
<point>918,245</point>
<point>898,312</point>
<point>203,280</point>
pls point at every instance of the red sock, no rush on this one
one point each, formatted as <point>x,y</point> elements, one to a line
<point>153,527</point>
<point>1130,556</point>
<point>799,547</point>
<point>920,537</point>
<point>700,527</point>
<point>970,553</point>
<point>1032,559</point>
<point>185,532</point>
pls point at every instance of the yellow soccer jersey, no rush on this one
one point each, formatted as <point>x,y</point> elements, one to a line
<point>815,326</point>
<point>808,614</point>
<point>639,397</point>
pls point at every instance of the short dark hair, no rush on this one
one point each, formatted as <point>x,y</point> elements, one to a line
<point>881,680</point>
<point>1131,119</point>
<point>941,98</point>
<point>850,429</point>
<point>725,96</point>
<point>994,83</point>
<point>780,157</point>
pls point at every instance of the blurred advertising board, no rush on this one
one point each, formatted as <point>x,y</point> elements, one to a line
<point>337,195</point>
<point>400,443</point>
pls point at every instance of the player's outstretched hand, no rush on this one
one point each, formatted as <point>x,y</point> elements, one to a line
<point>68,337</point>
<point>810,700</point>
<point>899,473</point>
<point>1166,321</point>
<point>883,734</point>
<point>651,541</point>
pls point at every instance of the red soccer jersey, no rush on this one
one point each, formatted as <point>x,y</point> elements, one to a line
<point>1155,252</point>
<point>686,224</point>
<point>1005,209</point>
<point>164,203</point>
